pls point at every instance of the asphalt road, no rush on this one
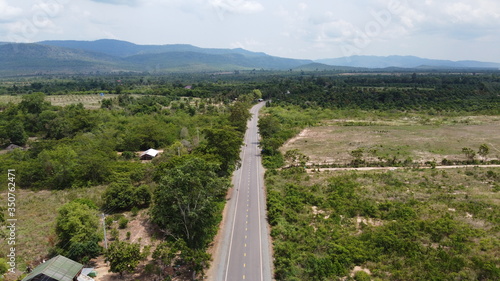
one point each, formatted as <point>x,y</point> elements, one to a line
<point>244,252</point>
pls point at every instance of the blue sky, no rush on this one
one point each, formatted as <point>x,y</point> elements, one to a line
<point>444,29</point>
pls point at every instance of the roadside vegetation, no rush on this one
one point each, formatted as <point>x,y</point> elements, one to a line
<point>78,169</point>
<point>75,144</point>
<point>394,225</point>
<point>405,224</point>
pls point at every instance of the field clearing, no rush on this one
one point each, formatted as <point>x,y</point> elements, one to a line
<point>403,139</point>
<point>88,101</point>
<point>36,215</point>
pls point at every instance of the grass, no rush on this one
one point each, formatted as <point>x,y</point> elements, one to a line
<point>36,215</point>
<point>420,138</point>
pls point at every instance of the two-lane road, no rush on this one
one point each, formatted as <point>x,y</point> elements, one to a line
<point>244,251</point>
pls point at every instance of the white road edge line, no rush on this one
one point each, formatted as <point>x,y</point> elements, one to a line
<point>234,215</point>
<point>259,214</point>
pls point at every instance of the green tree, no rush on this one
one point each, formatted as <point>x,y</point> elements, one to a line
<point>484,150</point>
<point>77,230</point>
<point>224,142</point>
<point>186,202</point>
<point>59,166</point>
<point>469,153</point>
<point>123,256</point>
<point>122,196</point>
<point>166,253</point>
<point>107,103</point>
<point>268,125</point>
<point>257,94</point>
<point>239,115</point>
<point>16,133</point>
<point>33,103</point>
<point>169,253</point>
<point>295,157</point>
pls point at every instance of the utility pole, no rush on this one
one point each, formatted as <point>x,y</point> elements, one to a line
<point>104,228</point>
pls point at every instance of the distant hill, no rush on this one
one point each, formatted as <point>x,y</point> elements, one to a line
<point>405,62</point>
<point>124,49</point>
<point>30,59</point>
<point>107,55</point>
<point>69,57</point>
<point>316,66</point>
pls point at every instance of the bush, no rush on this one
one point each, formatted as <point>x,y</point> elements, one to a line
<point>4,267</point>
<point>115,235</point>
<point>128,155</point>
<point>361,276</point>
<point>134,211</point>
<point>124,196</point>
<point>109,221</point>
<point>122,222</point>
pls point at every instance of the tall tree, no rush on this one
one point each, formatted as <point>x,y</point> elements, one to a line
<point>225,143</point>
<point>239,115</point>
<point>186,202</point>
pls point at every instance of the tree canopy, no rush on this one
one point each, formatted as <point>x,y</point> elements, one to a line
<point>187,201</point>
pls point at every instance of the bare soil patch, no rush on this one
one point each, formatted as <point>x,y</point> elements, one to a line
<point>403,139</point>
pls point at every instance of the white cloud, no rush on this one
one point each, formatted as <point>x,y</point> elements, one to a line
<point>455,19</point>
<point>235,7</point>
<point>8,12</point>
<point>119,2</point>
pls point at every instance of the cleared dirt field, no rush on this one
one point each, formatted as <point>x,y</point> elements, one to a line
<point>439,139</point>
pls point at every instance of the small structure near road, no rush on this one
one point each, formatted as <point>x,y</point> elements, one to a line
<point>149,154</point>
<point>58,268</point>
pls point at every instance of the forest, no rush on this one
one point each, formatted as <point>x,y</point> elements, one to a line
<point>197,121</point>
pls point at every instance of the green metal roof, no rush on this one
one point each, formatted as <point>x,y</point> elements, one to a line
<point>57,268</point>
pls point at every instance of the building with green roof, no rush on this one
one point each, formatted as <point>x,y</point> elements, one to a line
<point>56,269</point>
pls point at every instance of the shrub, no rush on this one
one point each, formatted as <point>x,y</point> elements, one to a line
<point>122,222</point>
<point>128,155</point>
<point>108,221</point>
<point>124,196</point>
<point>361,276</point>
<point>115,235</point>
<point>134,211</point>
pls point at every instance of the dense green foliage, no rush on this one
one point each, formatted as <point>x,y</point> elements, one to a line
<point>199,120</point>
<point>188,201</point>
<point>124,196</point>
<point>123,256</point>
<point>402,92</point>
<point>169,254</point>
<point>322,230</point>
<point>76,229</point>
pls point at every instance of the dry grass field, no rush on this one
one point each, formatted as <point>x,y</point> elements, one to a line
<point>36,215</point>
<point>418,139</point>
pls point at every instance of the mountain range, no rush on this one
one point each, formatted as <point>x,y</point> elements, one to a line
<point>107,55</point>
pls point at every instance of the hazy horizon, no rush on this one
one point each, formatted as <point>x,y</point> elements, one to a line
<point>444,30</point>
